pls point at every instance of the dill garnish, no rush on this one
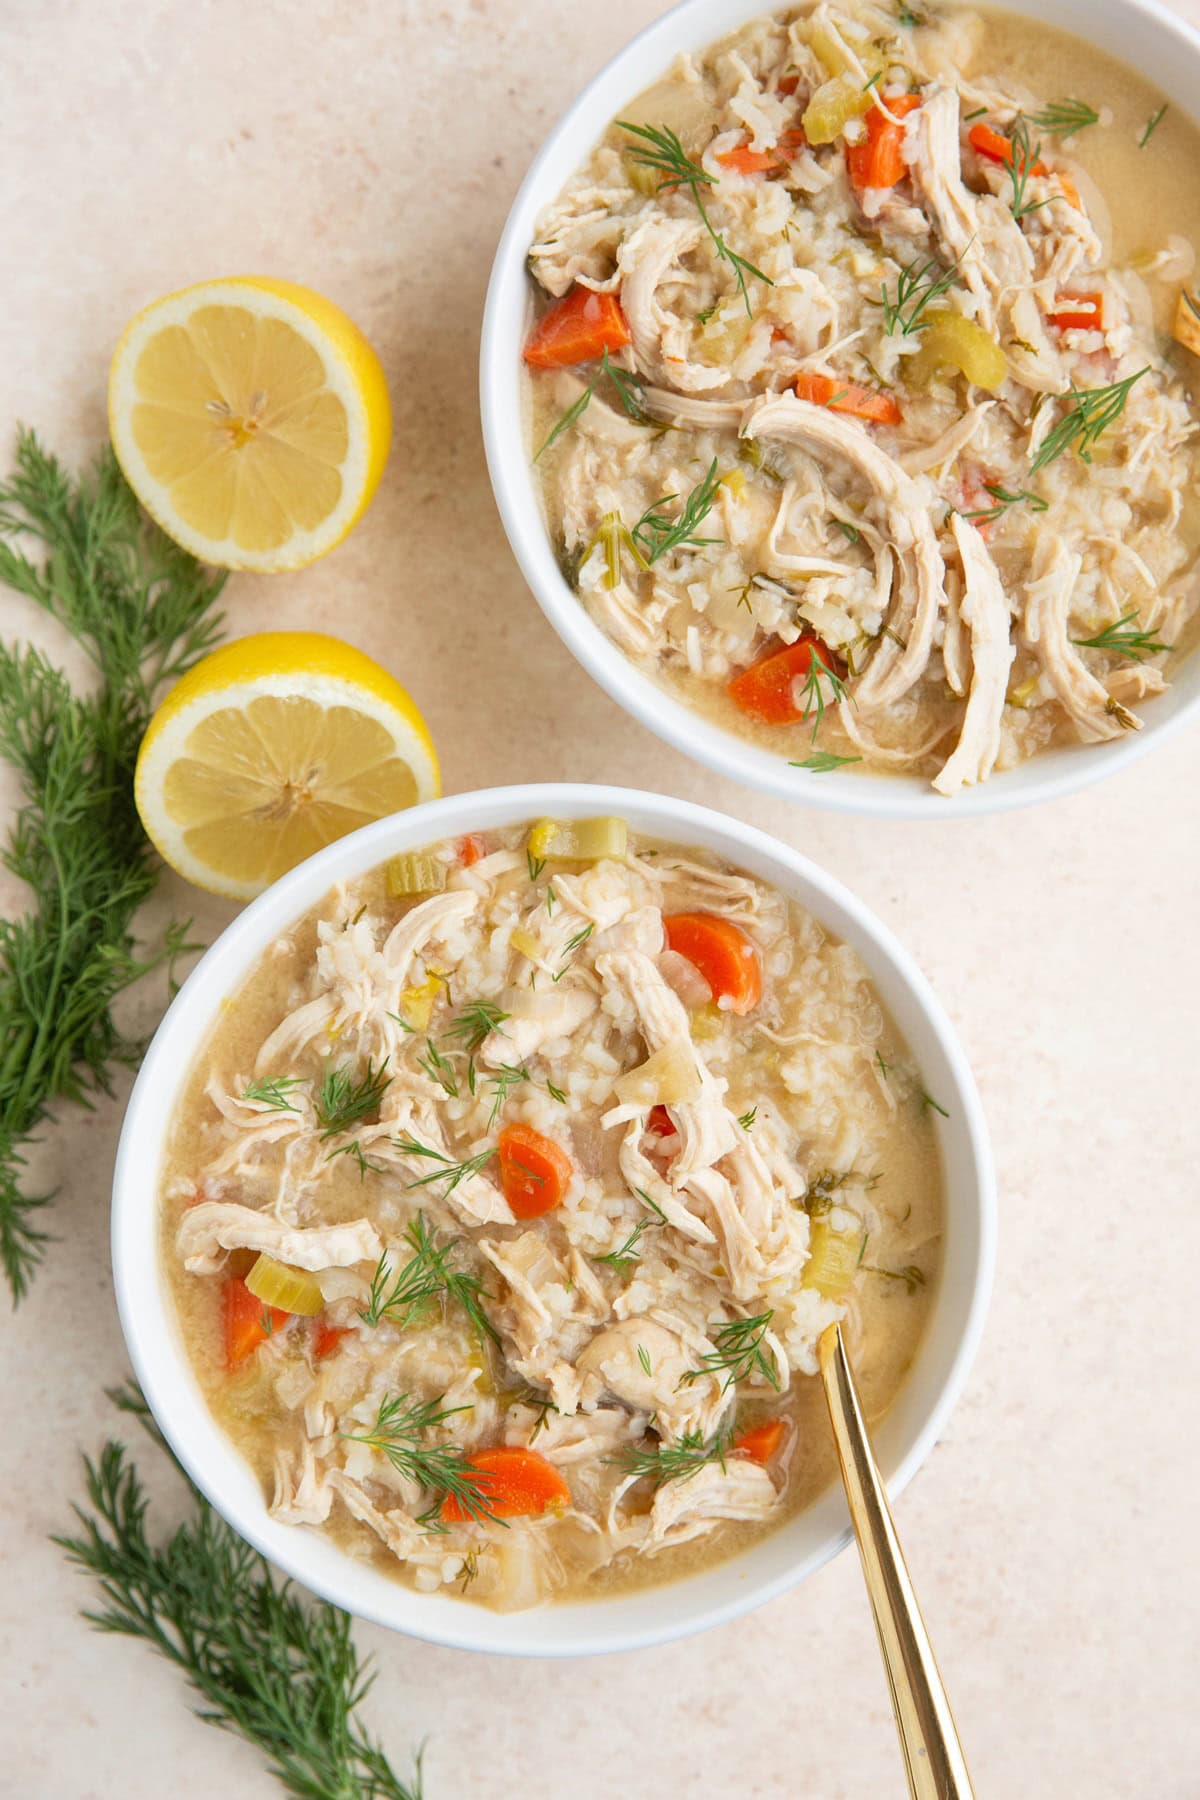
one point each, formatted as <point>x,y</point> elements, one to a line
<point>535,864</point>
<point>405,1295</point>
<point>475,1023</point>
<point>355,1150</point>
<point>1152,125</point>
<point>272,1091</point>
<point>447,1170</point>
<point>812,695</point>
<point>507,1077</point>
<point>850,532</point>
<point>655,532</point>
<point>655,1208</point>
<point>556,1093</point>
<point>738,1352</point>
<point>438,1069</point>
<point>442,1469</point>
<point>143,611</point>
<point>626,384</point>
<point>1021,166</point>
<point>279,1670</point>
<point>541,1404</point>
<point>643,1356</point>
<point>746,1121</point>
<point>1004,498</point>
<point>1124,639</point>
<point>343,1101</point>
<point>1089,412</point>
<point>573,943</point>
<point>917,288</point>
<point>1063,118</point>
<point>823,762</point>
<point>266,1319</point>
<point>678,1461</point>
<point>661,150</point>
<point>912,1277</point>
<point>929,1104</point>
<point>623,1259</point>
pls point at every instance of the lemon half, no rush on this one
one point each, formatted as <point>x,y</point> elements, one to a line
<point>271,748</point>
<point>251,418</point>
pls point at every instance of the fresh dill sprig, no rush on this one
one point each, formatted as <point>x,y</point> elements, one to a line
<point>1152,125</point>
<point>1088,413</point>
<point>661,150</point>
<point>143,611</point>
<point>850,532</point>
<point>1022,166</point>
<point>447,1170</point>
<point>542,1404</point>
<point>738,1352</point>
<point>575,942</point>
<point>354,1150</point>
<point>746,1121</point>
<point>823,762</point>
<point>439,1069</point>
<point>475,1023</point>
<point>1004,498</point>
<point>272,1091</point>
<point>643,1356</point>
<point>812,695</point>
<point>929,1104</point>
<point>502,1082</point>
<point>656,532</point>
<point>1063,118</point>
<point>442,1469</point>
<point>912,1277</point>
<point>623,1259</point>
<point>626,384</point>
<point>678,1461</point>
<point>535,865</point>
<point>343,1099</point>
<point>1124,638</point>
<point>918,287</point>
<point>279,1670</point>
<point>556,1093</point>
<point>428,1276</point>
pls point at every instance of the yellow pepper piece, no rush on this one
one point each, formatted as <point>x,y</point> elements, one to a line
<point>953,341</point>
<point>292,1290</point>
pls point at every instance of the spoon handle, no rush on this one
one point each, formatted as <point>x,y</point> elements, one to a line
<point>933,1757</point>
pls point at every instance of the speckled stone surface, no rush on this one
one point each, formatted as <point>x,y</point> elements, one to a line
<point>372,151</point>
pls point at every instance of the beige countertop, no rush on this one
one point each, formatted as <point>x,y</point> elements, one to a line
<point>372,151</point>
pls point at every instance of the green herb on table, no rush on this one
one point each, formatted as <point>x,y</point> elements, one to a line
<point>1088,413</point>
<point>661,150</point>
<point>344,1099</point>
<point>442,1469</point>
<point>656,532</point>
<point>1124,638</point>
<point>1063,118</point>
<point>143,611</point>
<point>280,1671</point>
<point>1152,125</point>
<point>738,1352</point>
<point>272,1091</point>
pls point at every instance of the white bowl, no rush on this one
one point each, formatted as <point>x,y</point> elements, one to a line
<point>1141,32</point>
<point>652,1615</point>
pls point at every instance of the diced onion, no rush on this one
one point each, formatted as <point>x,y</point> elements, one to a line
<point>833,1258</point>
<point>416,872</point>
<point>292,1290</point>
<point>664,1079</point>
<point>578,840</point>
<point>525,944</point>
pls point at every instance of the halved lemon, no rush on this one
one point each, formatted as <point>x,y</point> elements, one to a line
<point>270,749</point>
<point>251,419</point>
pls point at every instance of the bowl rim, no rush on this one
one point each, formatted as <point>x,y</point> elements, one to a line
<point>150,1326</point>
<point>1051,774</point>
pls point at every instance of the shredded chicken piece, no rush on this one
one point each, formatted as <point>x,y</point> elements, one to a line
<point>1046,630</point>
<point>208,1232</point>
<point>985,610</point>
<point>661,337</point>
<point>684,1510</point>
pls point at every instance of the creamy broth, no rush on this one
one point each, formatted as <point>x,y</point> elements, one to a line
<point>818,1089</point>
<point>704,615</point>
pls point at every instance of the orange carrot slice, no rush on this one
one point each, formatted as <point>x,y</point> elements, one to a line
<point>470,849</point>
<point>847,397</point>
<point>765,690</point>
<point>997,148</point>
<point>1078,312</point>
<point>326,1338</point>
<point>577,329</point>
<point>535,1172</point>
<point>245,1321</point>
<point>515,1484</point>
<point>723,954</point>
<point>761,1442</point>
<point>876,161</point>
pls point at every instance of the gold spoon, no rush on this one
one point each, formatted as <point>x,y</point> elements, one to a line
<point>933,1757</point>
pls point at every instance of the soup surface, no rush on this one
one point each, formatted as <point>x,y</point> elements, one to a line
<point>508,1200</point>
<point>859,415</point>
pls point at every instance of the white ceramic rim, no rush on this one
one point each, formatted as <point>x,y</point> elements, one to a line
<point>1163,47</point>
<point>651,1615</point>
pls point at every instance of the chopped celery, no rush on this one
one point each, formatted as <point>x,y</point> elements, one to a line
<point>950,340</point>
<point>664,1079</point>
<point>578,840</point>
<point>525,944</point>
<point>833,1258</point>
<point>415,872</point>
<point>643,180</point>
<point>416,1003</point>
<point>292,1290</point>
<point>833,106</point>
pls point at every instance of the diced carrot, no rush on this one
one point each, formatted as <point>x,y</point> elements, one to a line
<point>870,404</point>
<point>660,1122</point>
<point>326,1338</point>
<point>535,1172</point>
<point>517,1484</point>
<point>1074,312</point>
<point>761,1442</point>
<point>788,83</point>
<point>998,148</point>
<point>1070,191</point>
<point>876,160</point>
<point>577,329</point>
<point>245,1321</point>
<point>723,954</point>
<point>746,161</point>
<point>765,689</point>
<point>470,849</point>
